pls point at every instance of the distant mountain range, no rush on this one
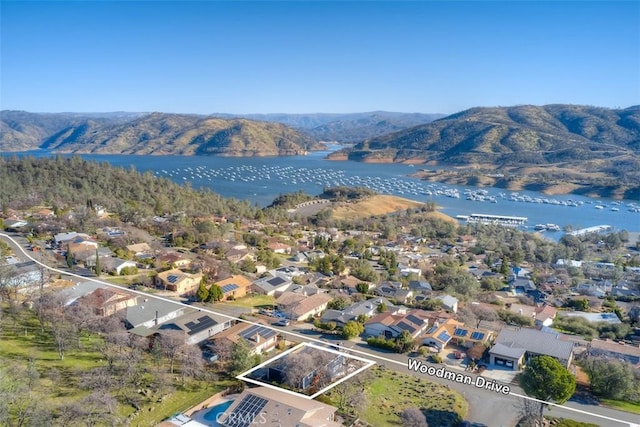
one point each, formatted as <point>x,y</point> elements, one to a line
<point>155,133</point>
<point>553,148</point>
<point>188,134</point>
<point>345,128</point>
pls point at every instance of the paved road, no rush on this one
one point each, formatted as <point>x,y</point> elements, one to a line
<point>486,408</point>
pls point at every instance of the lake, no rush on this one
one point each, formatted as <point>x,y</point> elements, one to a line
<point>261,179</point>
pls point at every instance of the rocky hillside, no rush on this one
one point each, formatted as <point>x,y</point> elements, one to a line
<point>155,133</point>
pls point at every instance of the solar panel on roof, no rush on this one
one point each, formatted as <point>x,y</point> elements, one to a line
<point>276,281</point>
<point>230,287</point>
<point>444,336</point>
<point>203,323</point>
<point>459,332</point>
<point>251,332</point>
<point>432,329</point>
<point>172,278</point>
<point>415,319</point>
<point>249,408</point>
<point>405,326</point>
<point>477,335</point>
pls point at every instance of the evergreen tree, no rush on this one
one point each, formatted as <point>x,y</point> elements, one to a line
<point>202,293</point>
<point>547,379</point>
<point>215,293</point>
<point>69,258</point>
<point>98,268</point>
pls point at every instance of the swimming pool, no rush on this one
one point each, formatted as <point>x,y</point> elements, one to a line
<point>208,416</point>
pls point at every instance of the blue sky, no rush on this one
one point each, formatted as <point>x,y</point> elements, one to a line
<point>304,57</point>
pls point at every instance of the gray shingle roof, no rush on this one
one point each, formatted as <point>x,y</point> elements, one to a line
<point>536,342</point>
<point>511,350</point>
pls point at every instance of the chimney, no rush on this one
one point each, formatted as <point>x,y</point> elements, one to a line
<point>257,339</point>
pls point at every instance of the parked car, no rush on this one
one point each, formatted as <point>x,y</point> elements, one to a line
<point>282,322</point>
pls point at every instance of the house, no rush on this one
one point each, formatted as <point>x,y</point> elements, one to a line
<point>350,283</point>
<point>17,274</point>
<point>299,307</point>
<point>391,325</point>
<point>545,315</point>
<point>271,285</point>
<point>262,403</point>
<point>398,294</point>
<point>420,287</point>
<point>306,290</point>
<point>260,339</point>
<point>195,325</point>
<point>14,224</point>
<point>236,256</point>
<point>88,256</point>
<point>63,238</point>
<point>591,289</point>
<point>107,301</point>
<point>178,281</point>
<point>149,312</point>
<point>449,303</point>
<point>440,334</point>
<point>115,265</point>
<point>235,286</point>
<point>367,308</point>
<point>513,347</point>
<point>80,244</point>
<point>174,259</point>
<point>467,337</point>
<point>111,232</point>
<point>615,350</point>
<point>279,248</point>
<point>139,249</point>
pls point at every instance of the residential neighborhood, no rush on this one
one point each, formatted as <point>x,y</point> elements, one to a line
<point>494,317</point>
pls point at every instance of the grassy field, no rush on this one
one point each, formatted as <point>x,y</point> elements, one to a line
<point>254,301</point>
<point>634,408</point>
<point>391,392</point>
<point>376,205</point>
<point>24,341</point>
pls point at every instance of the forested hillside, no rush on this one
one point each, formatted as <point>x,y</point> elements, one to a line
<point>68,182</point>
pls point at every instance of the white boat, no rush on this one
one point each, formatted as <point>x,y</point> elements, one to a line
<point>540,227</point>
<point>553,227</point>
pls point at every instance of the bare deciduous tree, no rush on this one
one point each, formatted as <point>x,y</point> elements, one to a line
<point>413,417</point>
<point>171,344</point>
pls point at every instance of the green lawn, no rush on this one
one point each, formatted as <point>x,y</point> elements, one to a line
<point>178,401</point>
<point>634,408</point>
<point>254,301</point>
<point>391,392</point>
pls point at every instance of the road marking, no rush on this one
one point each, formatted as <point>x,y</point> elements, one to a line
<point>375,356</point>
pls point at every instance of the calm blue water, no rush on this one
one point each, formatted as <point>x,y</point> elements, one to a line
<point>209,416</point>
<point>261,179</point>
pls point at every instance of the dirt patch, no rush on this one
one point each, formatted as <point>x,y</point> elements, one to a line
<point>561,189</point>
<point>375,205</point>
